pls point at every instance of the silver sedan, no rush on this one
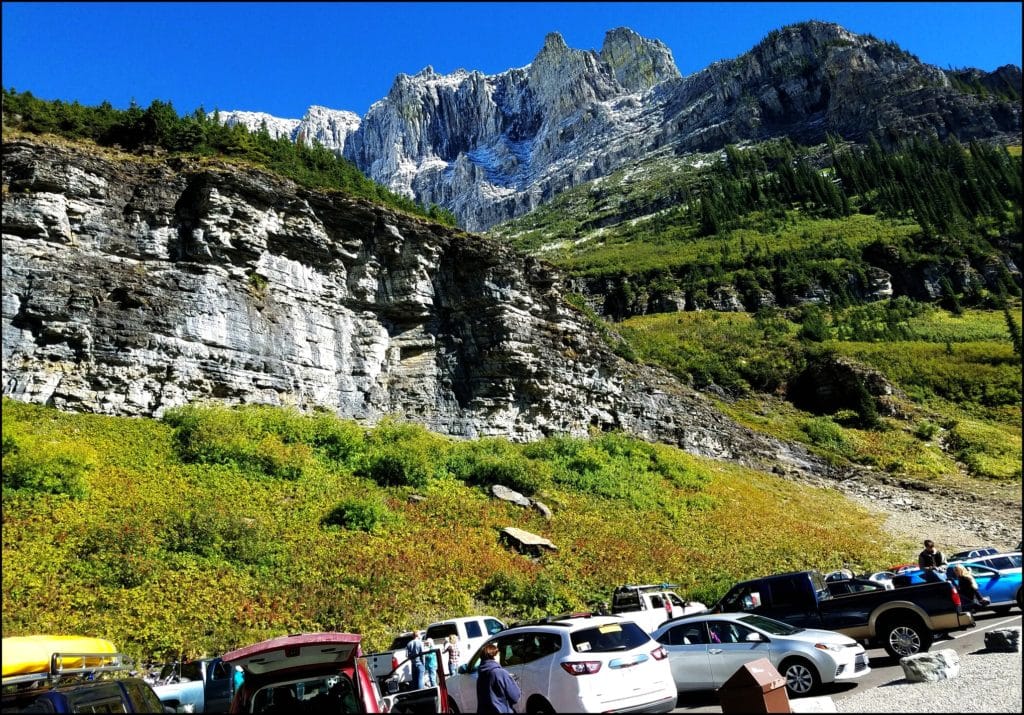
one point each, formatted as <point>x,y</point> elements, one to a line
<point>705,651</point>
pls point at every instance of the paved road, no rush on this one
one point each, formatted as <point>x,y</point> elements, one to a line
<point>883,668</point>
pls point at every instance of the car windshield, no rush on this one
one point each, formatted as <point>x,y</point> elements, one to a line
<point>609,637</point>
<point>770,625</point>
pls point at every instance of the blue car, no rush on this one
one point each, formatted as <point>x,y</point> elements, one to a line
<point>998,577</point>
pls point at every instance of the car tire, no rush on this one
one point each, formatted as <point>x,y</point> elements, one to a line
<point>539,706</point>
<point>801,677</point>
<point>905,637</point>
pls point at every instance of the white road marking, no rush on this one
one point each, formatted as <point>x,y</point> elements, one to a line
<point>990,625</point>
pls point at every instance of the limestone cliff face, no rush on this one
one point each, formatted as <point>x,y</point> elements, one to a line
<point>493,147</point>
<point>130,286</point>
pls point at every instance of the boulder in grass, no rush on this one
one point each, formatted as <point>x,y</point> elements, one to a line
<point>1005,640</point>
<point>502,492</point>
<point>932,666</point>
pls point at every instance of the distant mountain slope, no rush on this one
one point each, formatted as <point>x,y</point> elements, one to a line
<point>492,147</point>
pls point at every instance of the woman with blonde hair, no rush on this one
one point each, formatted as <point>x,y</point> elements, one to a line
<point>451,647</point>
<point>970,595</point>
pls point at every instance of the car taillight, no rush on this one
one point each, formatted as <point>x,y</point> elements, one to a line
<point>956,596</point>
<point>659,653</point>
<point>394,662</point>
<point>581,667</point>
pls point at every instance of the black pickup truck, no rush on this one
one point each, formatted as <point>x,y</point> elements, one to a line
<point>904,621</point>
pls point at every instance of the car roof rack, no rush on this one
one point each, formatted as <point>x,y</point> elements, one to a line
<point>559,620</point>
<point>646,587</point>
<point>92,663</point>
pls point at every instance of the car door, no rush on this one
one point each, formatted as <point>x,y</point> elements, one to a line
<point>687,647</point>
<point>990,584</point>
<point>463,687</point>
<point>537,656</point>
<point>218,689</point>
<point>729,649</point>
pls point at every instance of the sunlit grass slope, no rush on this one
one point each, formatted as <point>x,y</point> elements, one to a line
<point>215,528</point>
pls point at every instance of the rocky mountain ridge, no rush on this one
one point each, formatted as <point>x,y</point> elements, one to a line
<point>132,285</point>
<point>493,147</point>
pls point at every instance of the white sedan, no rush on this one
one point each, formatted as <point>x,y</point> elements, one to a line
<point>705,651</point>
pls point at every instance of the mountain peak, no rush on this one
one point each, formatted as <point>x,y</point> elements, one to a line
<point>636,62</point>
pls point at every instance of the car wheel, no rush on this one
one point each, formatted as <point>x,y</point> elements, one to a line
<point>801,677</point>
<point>903,638</point>
<point>539,706</point>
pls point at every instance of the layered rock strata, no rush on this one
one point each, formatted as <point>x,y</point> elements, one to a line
<point>132,286</point>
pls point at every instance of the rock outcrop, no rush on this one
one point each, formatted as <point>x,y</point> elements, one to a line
<point>131,286</point>
<point>492,147</point>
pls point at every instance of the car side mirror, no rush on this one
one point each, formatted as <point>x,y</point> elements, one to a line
<point>463,669</point>
<point>754,638</point>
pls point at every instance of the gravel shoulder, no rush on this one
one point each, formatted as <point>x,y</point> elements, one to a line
<point>988,683</point>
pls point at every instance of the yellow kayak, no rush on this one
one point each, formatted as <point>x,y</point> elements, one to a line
<point>28,655</point>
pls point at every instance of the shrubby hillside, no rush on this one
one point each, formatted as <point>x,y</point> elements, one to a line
<point>217,527</point>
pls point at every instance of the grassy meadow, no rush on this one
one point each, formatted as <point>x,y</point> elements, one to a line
<point>214,527</point>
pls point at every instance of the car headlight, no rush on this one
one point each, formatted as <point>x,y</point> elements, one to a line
<point>828,647</point>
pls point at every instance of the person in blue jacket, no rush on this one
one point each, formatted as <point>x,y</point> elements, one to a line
<point>496,690</point>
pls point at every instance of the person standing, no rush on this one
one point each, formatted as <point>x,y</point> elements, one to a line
<point>451,649</point>
<point>931,561</point>
<point>414,653</point>
<point>496,689</point>
<point>430,679</point>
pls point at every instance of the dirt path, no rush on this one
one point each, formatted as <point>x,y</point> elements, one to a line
<point>953,521</point>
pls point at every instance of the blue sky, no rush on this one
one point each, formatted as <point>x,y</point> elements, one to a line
<point>282,57</point>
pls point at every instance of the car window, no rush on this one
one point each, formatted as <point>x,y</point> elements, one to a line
<point>192,670</point>
<point>1001,562</point>
<point>625,601</point>
<point>685,634</point>
<point>786,593</point>
<point>656,601</point>
<point>742,598</point>
<point>675,600</point>
<point>143,696</point>
<point>770,625</point>
<point>400,642</point>
<point>105,699</point>
<point>442,630</point>
<point>493,626</point>
<point>727,632</point>
<point>609,637</point>
<point>538,645</point>
<point>27,703</point>
<point>473,629</point>
<point>221,670</point>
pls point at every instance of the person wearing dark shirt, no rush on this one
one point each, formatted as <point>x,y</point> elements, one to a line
<point>496,690</point>
<point>931,561</point>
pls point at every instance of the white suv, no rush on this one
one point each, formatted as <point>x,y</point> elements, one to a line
<point>576,663</point>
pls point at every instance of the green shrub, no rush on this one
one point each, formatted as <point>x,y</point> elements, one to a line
<point>496,461</point>
<point>400,454</point>
<point>32,464</point>
<point>359,514</point>
<point>825,433</point>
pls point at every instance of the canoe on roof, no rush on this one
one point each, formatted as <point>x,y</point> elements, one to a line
<point>28,655</point>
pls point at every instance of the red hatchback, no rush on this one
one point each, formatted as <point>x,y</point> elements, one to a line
<point>319,673</point>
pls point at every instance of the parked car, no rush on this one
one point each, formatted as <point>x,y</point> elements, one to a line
<point>854,585</point>
<point>704,651</point>
<point>650,605</point>
<point>998,577</point>
<point>974,553</point>
<point>471,631</point>
<point>71,674</point>
<point>576,663</point>
<point>319,671</point>
<point>903,621</point>
<point>391,664</point>
<point>201,686</point>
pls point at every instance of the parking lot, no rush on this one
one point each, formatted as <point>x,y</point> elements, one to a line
<point>884,669</point>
